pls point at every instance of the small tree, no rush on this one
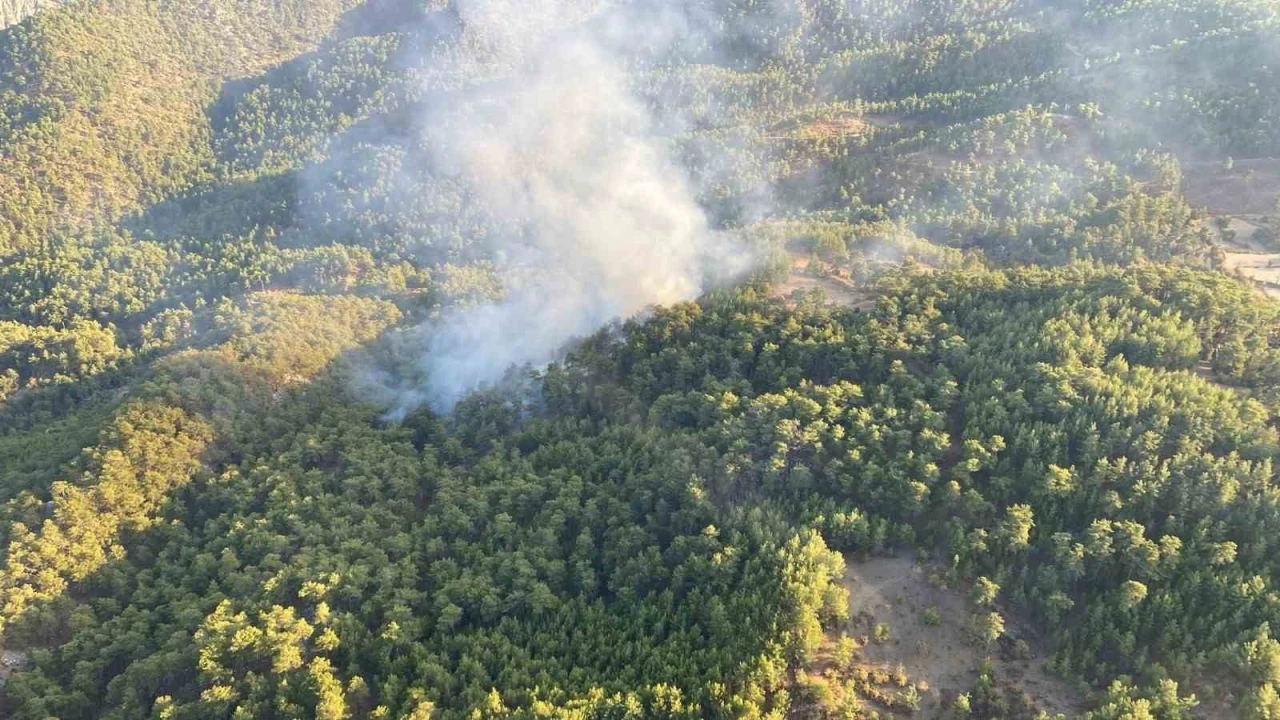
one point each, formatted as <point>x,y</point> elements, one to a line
<point>1262,704</point>
<point>987,627</point>
<point>1132,593</point>
<point>931,616</point>
<point>1224,553</point>
<point>846,653</point>
<point>985,592</point>
<point>1016,526</point>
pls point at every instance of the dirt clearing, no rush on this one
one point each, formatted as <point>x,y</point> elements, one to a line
<point>835,127</point>
<point>1247,250</point>
<point>1248,187</point>
<point>1262,268</point>
<point>839,291</point>
<point>923,648</point>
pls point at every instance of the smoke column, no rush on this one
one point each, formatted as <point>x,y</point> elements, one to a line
<point>605,222</point>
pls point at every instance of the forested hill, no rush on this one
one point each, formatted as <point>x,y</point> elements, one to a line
<point>483,358</point>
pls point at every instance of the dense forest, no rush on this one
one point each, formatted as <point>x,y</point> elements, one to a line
<point>979,285</point>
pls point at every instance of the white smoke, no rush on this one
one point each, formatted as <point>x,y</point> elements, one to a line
<point>562,150</point>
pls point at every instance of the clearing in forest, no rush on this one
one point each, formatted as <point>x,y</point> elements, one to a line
<point>1247,187</point>
<point>1262,268</point>
<point>913,643</point>
<point>839,291</point>
<point>1246,257</point>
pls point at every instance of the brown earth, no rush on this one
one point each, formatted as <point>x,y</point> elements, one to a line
<point>839,291</point>
<point>1262,268</point>
<point>833,127</point>
<point>1247,258</point>
<point>939,656</point>
<point>1250,187</point>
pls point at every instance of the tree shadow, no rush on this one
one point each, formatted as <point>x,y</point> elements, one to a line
<point>268,197</point>
<point>123,634</point>
<point>293,198</point>
<point>379,17</point>
<point>221,210</point>
<point>261,427</point>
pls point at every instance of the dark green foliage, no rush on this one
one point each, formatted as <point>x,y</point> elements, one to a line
<point>212,213</point>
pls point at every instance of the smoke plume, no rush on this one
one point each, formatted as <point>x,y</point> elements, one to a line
<point>603,221</point>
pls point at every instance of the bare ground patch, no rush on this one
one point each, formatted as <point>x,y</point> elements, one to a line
<point>923,640</point>
<point>1249,187</point>
<point>832,128</point>
<point>1240,232</point>
<point>839,291</point>
<point>1262,269</point>
<point>821,122</point>
<point>1246,254</point>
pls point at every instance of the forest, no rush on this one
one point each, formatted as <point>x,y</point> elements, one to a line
<point>467,359</point>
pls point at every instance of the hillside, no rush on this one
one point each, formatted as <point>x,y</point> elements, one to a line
<point>663,359</point>
<point>14,11</point>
